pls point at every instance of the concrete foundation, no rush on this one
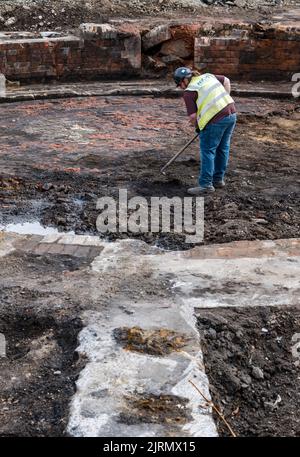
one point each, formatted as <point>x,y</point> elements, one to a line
<point>118,290</point>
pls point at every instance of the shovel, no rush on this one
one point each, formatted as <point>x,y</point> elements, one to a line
<point>178,154</point>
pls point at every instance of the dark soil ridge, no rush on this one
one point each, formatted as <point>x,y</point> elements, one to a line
<point>65,14</point>
<point>253,376</point>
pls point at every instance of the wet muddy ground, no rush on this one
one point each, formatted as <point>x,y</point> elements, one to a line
<point>57,158</point>
<point>252,363</point>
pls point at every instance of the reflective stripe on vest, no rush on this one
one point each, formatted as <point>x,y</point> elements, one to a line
<point>212,97</point>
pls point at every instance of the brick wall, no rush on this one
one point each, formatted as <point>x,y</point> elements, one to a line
<point>250,56</point>
<point>241,51</point>
<point>97,51</point>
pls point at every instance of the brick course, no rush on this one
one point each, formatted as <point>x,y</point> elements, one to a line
<point>92,53</point>
<point>241,51</point>
<point>258,56</point>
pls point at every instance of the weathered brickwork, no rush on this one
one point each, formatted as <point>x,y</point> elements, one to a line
<point>96,52</point>
<point>243,51</point>
<point>250,56</point>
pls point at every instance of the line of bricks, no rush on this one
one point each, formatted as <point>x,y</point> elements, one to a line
<point>96,52</point>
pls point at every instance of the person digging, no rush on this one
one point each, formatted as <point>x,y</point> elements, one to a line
<point>212,112</point>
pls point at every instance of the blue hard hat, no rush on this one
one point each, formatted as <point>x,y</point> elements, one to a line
<point>181,73</point>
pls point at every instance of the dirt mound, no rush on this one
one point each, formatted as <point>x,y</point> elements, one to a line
<point>252,369</point>
<point>64,14</point>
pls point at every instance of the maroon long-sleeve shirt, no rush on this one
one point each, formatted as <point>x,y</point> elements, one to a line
<point>190,98</point>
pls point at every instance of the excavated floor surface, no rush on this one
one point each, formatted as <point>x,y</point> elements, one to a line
<point>57,157</point>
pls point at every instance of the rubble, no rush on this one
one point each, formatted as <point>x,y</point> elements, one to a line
<point>264,395</point>
<point>156,36</point>
<point>120,50</point>
<point>257,373</point>
<point>66,14</point>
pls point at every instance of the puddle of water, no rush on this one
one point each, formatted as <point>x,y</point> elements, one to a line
<point>31,228</point>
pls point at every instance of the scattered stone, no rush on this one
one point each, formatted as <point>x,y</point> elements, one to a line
<point>257,373</point>
<point>156,36</point>
<point>154,64</point>
<point>273,405</point>
<point>239,334</point>
<point>240,3</point>
<point>246,379</point>
<point>171,59</point>
<point>260,221</point>
<point>212,333</point>
<point>10,21</point>
<point>47,186</point>
<point>231,381</point>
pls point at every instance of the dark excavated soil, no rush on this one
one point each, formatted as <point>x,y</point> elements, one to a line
<point>38,374</point>
<point>65,14</point>
<point>42,363</point>
<point>253,376</point>
<point>260,201</point>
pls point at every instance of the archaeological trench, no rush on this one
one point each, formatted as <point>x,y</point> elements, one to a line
<point>123,334</point>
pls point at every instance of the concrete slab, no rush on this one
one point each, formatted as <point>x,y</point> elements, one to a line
<point>263,278</point>
<point>131,285</point>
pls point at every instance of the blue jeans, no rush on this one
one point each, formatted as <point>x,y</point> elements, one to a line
<point>214,150</point>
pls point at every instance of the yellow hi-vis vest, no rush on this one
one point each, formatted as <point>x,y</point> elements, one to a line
<point>212,97</point>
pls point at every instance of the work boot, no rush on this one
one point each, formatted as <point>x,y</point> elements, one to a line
<point>201,190</point>
<point>219,184</point>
